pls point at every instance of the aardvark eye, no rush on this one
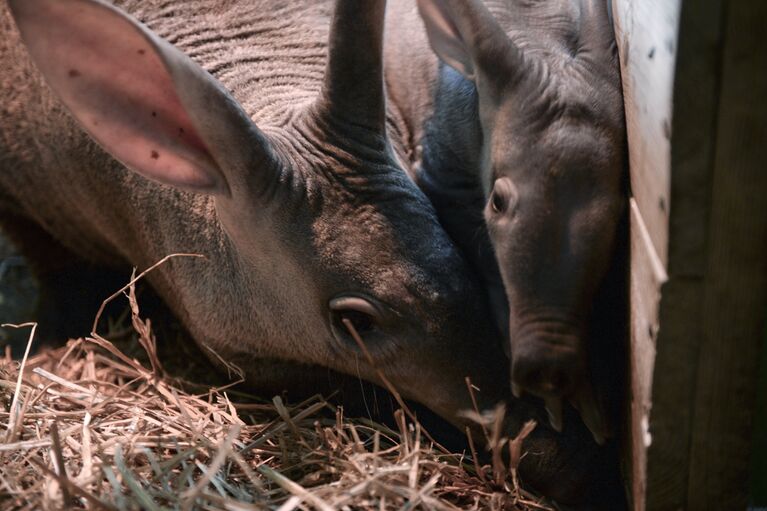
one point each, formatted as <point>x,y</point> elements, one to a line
<point>503,198</point>
<point>363,315</point>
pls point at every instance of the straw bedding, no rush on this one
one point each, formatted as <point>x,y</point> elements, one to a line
<point>88,426</point>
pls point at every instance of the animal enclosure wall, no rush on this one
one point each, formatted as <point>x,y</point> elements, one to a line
<point>694,74</point>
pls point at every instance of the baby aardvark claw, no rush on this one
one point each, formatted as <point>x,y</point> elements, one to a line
<point>585,402</point>
<point>554,409</point>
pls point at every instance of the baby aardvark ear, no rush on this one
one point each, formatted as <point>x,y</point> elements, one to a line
<point>445,37</point>
<point>140,98</point>
<point>464,34</point>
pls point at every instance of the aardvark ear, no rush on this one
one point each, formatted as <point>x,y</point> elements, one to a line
<point>464,34</point>
<point>445,37</point>
<point>140,98</point>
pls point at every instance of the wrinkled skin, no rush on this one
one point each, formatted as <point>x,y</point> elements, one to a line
<point>517,137</point>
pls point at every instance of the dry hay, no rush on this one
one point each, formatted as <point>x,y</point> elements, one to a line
<point>87,426</point>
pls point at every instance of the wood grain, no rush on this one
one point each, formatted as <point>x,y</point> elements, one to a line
<point>736,273</point>
<point>696,98</point>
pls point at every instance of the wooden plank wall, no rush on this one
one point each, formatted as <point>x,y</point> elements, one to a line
<point>735,299</point>
<point>695,81</point>
<point>646,35</point>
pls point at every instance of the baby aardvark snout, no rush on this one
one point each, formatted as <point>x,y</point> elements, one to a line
<point>548,360</point>
<point>545,374</point>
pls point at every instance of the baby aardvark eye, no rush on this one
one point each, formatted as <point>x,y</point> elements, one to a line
<point>504,196</point>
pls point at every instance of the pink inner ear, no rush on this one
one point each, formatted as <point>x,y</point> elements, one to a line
<point>113,80</point>
<point>444,36</point>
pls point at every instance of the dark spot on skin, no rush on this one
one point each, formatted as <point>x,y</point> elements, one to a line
<point>651,53</point>
<point>662,204</point>
<point>95,123</point>
<point>650,331</point>
<point>74,73</point>
<point>181,131</point>
<point>154,114</point>
<point>154,155</point>
<point>141,52</point>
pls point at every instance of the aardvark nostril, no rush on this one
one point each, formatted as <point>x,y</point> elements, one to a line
<point>541,376</point>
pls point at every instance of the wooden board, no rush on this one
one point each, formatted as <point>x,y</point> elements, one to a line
<point>711,311</point>
<point>696,93</point>
<point>699,265</point>
<point>647,276</point>
<point>646,36</point>
<point>735,300</point>
<point>646,33</point>
<point>758,496</point>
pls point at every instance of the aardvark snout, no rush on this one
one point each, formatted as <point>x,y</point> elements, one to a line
<point>546,361</point>
<point>549,360</point>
